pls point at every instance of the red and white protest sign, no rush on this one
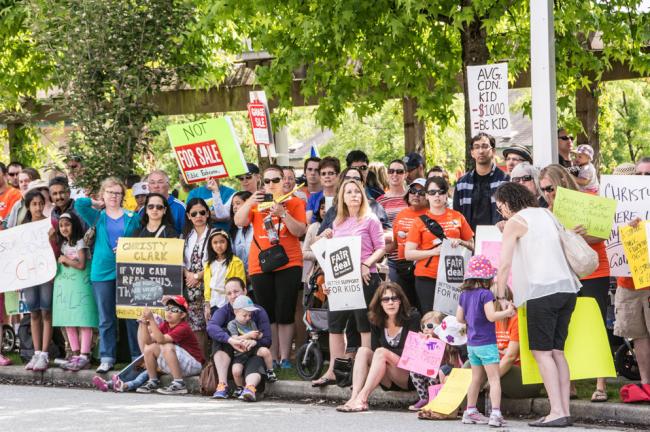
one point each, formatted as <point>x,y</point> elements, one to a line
<point>200,161</point>
<point>259,123</point>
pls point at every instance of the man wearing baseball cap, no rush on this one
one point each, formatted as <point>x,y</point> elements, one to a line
<point>516,154</point>
<point>251,180</point>
<point>172,347</point>
<point>414,166</point>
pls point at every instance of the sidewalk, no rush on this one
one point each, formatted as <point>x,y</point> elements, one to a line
<point>628,414</point>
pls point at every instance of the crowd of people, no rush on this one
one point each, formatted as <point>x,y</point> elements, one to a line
<point>247,258</point>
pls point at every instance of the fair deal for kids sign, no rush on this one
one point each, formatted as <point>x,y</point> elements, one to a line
<point>207,149</point>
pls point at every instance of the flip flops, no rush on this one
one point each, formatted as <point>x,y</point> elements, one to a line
<point>599,396</point>
<point>348,409</point>
<point>322,382</point>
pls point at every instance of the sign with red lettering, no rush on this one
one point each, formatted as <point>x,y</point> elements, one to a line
<point>259,123</point>
<point>207,149</point>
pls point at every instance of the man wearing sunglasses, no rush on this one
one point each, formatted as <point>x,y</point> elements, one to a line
<point>359,161</point>
<point>13,169</point>
<point>414,166</point>
<point>8,195</point>
<point>251,180</point>
<point>564,145</point>
<point>158,182</point>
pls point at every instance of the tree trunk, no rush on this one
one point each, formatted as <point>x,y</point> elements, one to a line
<point>475,52</point>
<point>14,141</point>
<point>414,129</point>
<point>587,112</point>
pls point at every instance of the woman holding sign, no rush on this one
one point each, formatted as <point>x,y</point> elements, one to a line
<point>425,238</point>
<point>275,259</point>
<point>354,218</point>
<point>595,285</point>
<point>110,222</point>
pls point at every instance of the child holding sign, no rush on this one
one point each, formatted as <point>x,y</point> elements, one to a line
<point>476,308</point>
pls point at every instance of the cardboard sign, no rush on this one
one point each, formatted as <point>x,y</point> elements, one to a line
<point>147,269</point>
<point>487,87</point>
<point>632,194</point>
<point>422,354</point>
<point>434,390</point>
<point>207,149</point>
<point>595,213</point>
<point>12,303</point>
<point>259,118</point>
<point>453,392</point>
<point>73,301</point>
<point>486,233</point>
<point>586,349</point>
<point>451,270</point>
<point>26,256</point>
<point>635,244</point>
<point>340,259</point>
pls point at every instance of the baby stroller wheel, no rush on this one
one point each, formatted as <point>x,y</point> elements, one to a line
<point>309,361</point>
<point>8,339</point>
<point>626,364</point>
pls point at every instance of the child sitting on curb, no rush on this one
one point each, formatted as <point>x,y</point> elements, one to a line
<point>172,347</point>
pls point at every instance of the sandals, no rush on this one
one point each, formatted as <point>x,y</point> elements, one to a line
<point>599,396</point>
<point>348,409</point>
<point>323,381</point>
<point>432,415</point>
<point>561,422</point>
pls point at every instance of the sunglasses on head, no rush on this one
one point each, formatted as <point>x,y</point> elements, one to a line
<point>434,192</point>
<point>275,180</point>
<point>245,177</point>
<point>548,189</point>
<point>420,192</point>
<point>155,206</point>
<point>352,178</point>
<point>396,171</point>
<point>389,299</point>
<point>429,326</point>
<point>199,213</point>
<point>522,179</point>
<point>174,309</point>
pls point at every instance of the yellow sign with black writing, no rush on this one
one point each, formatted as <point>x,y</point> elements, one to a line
<point>635,245</point>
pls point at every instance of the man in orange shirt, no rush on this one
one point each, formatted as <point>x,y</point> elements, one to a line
<point>8,195</point>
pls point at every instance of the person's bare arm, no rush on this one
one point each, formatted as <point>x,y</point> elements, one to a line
<point>514,229</point>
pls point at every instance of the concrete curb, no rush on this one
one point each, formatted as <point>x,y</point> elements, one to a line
<point>629,414</point>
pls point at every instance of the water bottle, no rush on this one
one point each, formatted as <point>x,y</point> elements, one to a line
<point>271,231</point>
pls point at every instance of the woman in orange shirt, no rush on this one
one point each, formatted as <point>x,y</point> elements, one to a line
<point>276,289</point>
<point>424,239</point>
<point>596,285</point>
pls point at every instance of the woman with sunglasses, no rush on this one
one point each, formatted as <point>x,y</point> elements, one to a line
<point>425,238</point>
<point>391,318</point>
<point>393,202</point>
<point>276,224</point>
<point>596,285</point>
<point>527,175</point>
<point>417,203</point>
<point>111,222</point>
<point>195,234</point>
<point>157,219</point>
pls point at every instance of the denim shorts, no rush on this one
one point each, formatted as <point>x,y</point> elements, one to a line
<point>39,297</point>
<point>483,355</point>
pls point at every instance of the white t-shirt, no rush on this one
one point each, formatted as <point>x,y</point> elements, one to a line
<point>72,252</point>
<point>218,271</point>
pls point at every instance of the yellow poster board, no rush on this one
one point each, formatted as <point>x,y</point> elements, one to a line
<point>453,392</point>
<point>587,347</point>
<point>635,245</point>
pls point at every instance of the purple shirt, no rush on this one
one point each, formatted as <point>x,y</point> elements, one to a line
<point>480,331</point>
<point>369,229</point>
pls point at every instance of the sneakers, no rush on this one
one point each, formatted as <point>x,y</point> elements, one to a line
<point>175,388</point>
<point>238,391</point>
<point>496,420</point>
<point>148,387</point>
<point>4,361</point>
<point>221,392</point>
<point>248,394</point>
<point>271,376</point>
<point>104,367</point>
<point>76,364</point>
<point>285,364</point>
<point>474,418</point>
<point>100,383</point>
<point>41,363</point>
<point>276,364</point>
<point>30,364</point>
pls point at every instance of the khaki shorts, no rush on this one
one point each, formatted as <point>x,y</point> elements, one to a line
<point>188,364</point>
<point>632,313</point>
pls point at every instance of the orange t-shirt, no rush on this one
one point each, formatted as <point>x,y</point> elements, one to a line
<point>291,244</point>
<point>453,224</point>
<point>507,331</point>
<point>403,222</point>
<point>603,262</point>
<point>7,200</point>
<point>628,283</point>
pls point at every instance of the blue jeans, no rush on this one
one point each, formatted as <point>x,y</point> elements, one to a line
<point>105,298</point>
<point>139,380</point>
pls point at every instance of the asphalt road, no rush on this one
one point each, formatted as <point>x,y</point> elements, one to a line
<point>34,409</point>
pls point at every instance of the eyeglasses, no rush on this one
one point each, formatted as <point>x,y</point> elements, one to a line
<point>566,138</point>
<point>174,309</point>
<point>155,207</point>
<point>389,299</point>
<point>481,147</point>
<point>420,192</point>
<point>434,192</point>
<point>514,159</point>
<point>548,189</point>
<point>352,178</point>
<point>522,179</point>
<point>395,171</point>
<point>361,167</point>
<point>245,177</point>
<point>112,193</point>
<point>275,180</point>
<point>198,213</point>
<point>328,173</point>
<point>642,173</point>
<point>429,326</point>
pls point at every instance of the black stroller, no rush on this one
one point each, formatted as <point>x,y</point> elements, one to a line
<point>309,357</point>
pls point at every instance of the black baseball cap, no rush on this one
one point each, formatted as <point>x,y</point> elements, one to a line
<point>413,160</point>
<point>252,168</point>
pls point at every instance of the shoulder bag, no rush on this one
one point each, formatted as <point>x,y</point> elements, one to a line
<point>582,259</point>
<point>272,258</point>
<point>434,228</point>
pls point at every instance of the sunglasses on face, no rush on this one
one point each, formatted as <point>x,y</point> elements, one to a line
<point>566,138</point>
<point>361,167</point>
<point>395,171</point>
<point>352,178</point>
<point>198,213</point>
<point>275,180</point>
<point>548,189</point>
<point>174,309</point>
<point>155,207</point>
<point>522,179</point>
<point>389,299</point>
<point>245,177</point>
<point>12,174</point>
<point>420,192</point>
<point>434,192</point>
<point>429,326</point>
